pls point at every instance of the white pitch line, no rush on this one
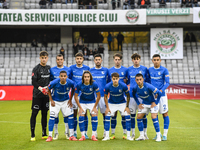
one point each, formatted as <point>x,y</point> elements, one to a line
<point>193,102</point>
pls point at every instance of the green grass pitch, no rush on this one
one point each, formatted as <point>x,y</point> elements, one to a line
<point>184,130</point>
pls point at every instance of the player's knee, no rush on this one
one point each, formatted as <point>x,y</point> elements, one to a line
<point>139,116</point>
<point>34,112</point>
<point>154,115</point>
<point>165,114</point>
<point>52,114</point>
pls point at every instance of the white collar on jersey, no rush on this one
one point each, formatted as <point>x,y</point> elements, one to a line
<point>115,86</point>
<point>141,87</point>
<point>79,67</point>
<point>63,84</point>
<point>136,67</point>
<point>60,67</point>
<point>98,68</point>
<point>157,68</point>
<point>118,68</point>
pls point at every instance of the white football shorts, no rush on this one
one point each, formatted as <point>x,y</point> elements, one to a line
<point>117,107</point>
<point>88,106</point>
<point>133,105</point>
<point>101,105</point>
<point>163,105</point>
<point>75,106</point>
<point>148,108</point>
<point>63,106</point>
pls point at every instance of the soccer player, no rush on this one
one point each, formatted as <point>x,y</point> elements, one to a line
<point>100,74</point>
<point>76,76</point>
<point>60,101</point>
<point>160,79</point>
<point>117,102</point>
<point>54,74</point>
<point>87,100</point>
<point>132,71</point>
<point>122,71</point>
<point>146,91</point>
<point>40,81</point>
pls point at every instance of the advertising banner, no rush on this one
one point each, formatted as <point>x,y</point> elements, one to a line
<point>196,14</point>
<point>168,42</point>
<point>168,11</point>
<point>72,17</point>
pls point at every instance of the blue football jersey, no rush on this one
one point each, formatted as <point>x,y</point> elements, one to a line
<point>116,93</point>
<point>100,76</point>
<point>60,92</point>
<point>55,72</point>
<point>159,78</point>
<point>146,93</point>
<point>87,92</point>
<point>76,72</point>
<point>131,73</point>
<point>122,71</point>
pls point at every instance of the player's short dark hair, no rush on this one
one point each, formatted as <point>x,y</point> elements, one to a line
<point>91,78</point>
<point>79,54</point>
<point>156,55</point>
<point>63,71</point>
<point>97,55</point>
<point>115,74</point>
<point>44,53</point>
<point>117,55</point>
<point>59,55</point>
<point>135,56</point>
<point>139,75</point>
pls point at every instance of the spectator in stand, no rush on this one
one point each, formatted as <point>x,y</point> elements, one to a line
<point>75,48</point>
<point>113,4</point>
<point>85,47</point>
<point>101,38</point>
<point>91,52</point>
<point>34,43</point>
<point>68,1</point>
<point>42,4</point>
<point>187,37</point>
<point>193,38</point>
<point>162,3</point>
<point>195,3</point>
<point>183,3</point>
<point>100,1</point>
<point>109,38</point>
<point>189,3</point>
<point>85,53</point>
<point>80,43</point>
<point>144,4</point>
<point>90,6</point>
<point>50,4</point>
<point>101,49</point>
<point>45,40</point>
<point>81,6</point>
<point>62,52</point>
<point>5,5</point>
<point>95,51</point>
<point>120,39</point>
<point>126,4</point>
<point>132,3</point>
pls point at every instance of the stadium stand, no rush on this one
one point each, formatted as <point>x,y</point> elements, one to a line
<point>18,59</point>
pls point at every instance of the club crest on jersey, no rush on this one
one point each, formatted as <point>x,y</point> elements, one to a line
<point>159,73</point>
<point>140,72</point>
<point>67,88</point>
<point>122,73</point>
<point>145,92</point>
<point>90,89</point>
<point>102,72</point>
<point>120,90</point>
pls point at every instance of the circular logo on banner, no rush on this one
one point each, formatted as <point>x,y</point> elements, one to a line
<point>2,94</point>
<point>132,16</point>
<point>166,43</point>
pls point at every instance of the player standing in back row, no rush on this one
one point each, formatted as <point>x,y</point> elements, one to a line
<point>76,76</point>
<point>40,81</point>
<point>54,74</point>
<point>122,71</point>
<point>160,79</point>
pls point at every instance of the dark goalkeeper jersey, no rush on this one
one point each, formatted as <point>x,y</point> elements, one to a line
<point>40,77</point>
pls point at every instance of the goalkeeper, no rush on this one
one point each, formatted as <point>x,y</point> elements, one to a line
<point>40,81</point>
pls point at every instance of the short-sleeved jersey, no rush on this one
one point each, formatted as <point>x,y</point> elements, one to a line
<point>100,76</point>
<point>60,92</point>
<point>42,76</point>
<point>55,72</point>
<point>159,78</point>
<point>122,71</point>
<point>146,93</point>
<point>76,73</point>
<point>116,93</point>
<point>87,92</point>
<point>131,73</point>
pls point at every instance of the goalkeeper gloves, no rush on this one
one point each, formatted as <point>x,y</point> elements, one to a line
<point>43,90</point>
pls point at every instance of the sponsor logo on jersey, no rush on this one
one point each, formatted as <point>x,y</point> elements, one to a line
<point>132,16</point>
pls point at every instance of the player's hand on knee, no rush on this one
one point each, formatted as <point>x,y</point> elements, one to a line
<point>127,110</point>
<point>95,110</point>
<point>141,106</point>
<point>70,104</point>
<point>43,90</point>
<point>81,112</point>
<point>153,104</point>
<point>107,111</point>
<point>53,103</point>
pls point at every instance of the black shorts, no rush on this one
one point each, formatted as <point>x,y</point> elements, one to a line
<point>40,103</point>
